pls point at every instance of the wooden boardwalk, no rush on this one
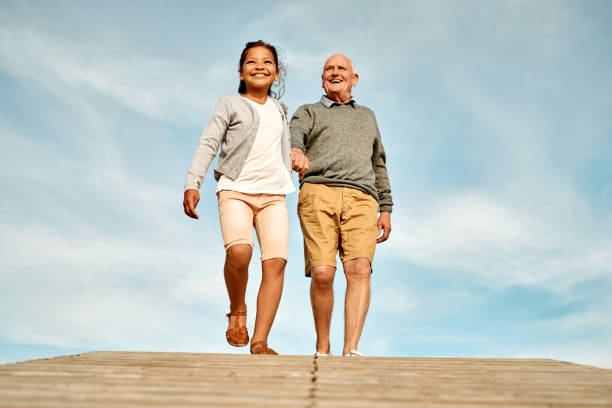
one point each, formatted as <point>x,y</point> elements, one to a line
<point>130,379</point>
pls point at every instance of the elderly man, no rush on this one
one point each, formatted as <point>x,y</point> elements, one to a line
<point>338,152</point>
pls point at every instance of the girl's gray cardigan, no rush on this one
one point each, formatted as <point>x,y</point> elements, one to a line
<point>233,125</point>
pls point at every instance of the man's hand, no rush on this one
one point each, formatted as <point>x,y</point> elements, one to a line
<point>384,225</point>
<point>190,202</point>
<point>299,161</point>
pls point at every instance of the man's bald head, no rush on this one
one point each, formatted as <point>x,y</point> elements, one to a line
<point>339,78</point>
<point>339,58</point>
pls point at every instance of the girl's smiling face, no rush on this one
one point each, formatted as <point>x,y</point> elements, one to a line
<point>259,70</point>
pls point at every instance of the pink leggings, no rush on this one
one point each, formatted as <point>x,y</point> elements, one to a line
<point>240,212</point>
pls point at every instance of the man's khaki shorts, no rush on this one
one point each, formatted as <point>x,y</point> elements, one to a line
<point>336,218</point>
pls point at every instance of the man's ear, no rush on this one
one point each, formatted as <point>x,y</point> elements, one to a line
<point>355,78</point>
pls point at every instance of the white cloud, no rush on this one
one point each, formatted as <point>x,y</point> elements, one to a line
<point>524,220</point>
<point>176,90</point>
<point>498,244</point>
<point>398,299</point>
<point>586,321</point>
<point>92,289</point>
<point>588,351</point>
<point>158,285</point>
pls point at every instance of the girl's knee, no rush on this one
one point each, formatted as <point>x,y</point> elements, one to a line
<point>278,262</point>
<point>239,254</point>
<point>274,266</point>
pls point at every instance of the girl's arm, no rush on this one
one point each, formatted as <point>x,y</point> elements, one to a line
<point>209,145</point>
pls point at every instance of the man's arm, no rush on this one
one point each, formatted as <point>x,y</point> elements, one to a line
<point>301,124</point>
<point>383,188</point>
<point>384,225</point>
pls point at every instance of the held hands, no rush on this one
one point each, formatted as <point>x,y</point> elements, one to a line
<point>190,202</point>
<point>384,225</point>
<point>299,161</point>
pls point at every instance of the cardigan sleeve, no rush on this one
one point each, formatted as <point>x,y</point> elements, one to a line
<point>209,145</point>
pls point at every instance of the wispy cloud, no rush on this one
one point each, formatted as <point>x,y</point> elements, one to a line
<point>496,122</point>
<point>498,245</point>
<point>177,90</point>
<point>92,289</point>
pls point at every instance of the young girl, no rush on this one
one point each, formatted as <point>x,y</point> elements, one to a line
<point>253,175</point>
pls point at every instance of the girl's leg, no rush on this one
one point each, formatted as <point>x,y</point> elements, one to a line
<point>236,273</point>
<point>236,216</point>
<point>268,298</point>
<point>272,227</point>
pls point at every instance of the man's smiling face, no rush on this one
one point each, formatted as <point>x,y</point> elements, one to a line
<point>339,78</point>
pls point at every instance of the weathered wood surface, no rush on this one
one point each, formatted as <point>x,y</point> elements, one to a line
<point>130,379</point>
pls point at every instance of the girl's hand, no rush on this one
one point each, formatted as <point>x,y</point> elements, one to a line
<point>299,161</point>
<point>190,202</point>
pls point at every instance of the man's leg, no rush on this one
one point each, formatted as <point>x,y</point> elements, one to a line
<point>322,300</point>
<point>356,302</point>
<point>358,230</point>
<point>319,213</point>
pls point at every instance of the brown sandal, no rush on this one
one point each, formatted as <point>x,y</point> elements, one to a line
<point>237,336</point>
<point>264,349</point>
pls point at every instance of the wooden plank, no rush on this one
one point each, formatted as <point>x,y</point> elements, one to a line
<point>138,379</point>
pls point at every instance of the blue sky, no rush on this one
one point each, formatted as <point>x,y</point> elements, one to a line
<point>496,118</point>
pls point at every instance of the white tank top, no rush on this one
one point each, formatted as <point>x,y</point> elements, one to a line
<point>264,170</point>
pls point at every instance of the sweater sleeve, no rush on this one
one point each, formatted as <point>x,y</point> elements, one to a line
<point>383,187</point>
<point>301,125</point>
<point>209,145</point>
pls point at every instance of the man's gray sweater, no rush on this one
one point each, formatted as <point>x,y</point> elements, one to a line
<point>344,147</point>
